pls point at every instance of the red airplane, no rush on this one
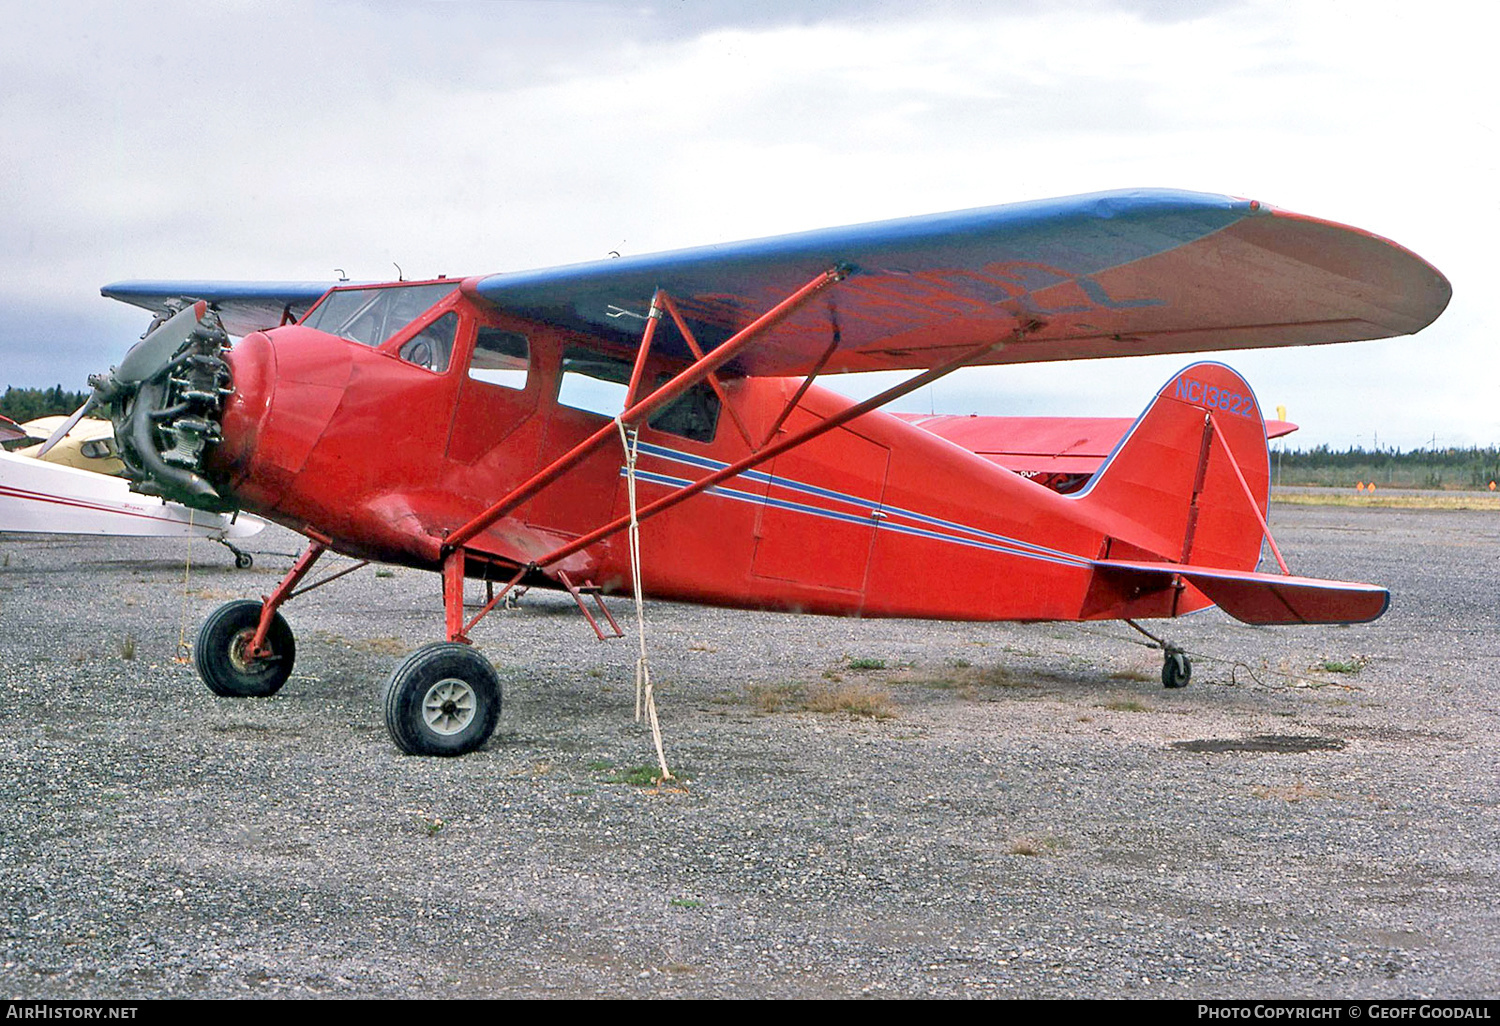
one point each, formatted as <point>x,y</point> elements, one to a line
<point>543,412</point>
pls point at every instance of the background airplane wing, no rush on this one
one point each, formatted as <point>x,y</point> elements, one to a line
<point>1042,445</point>
<point>1108,274</point>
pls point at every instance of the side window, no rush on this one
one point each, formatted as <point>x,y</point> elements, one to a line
<point>432,347</point>
<point>593,382</point>
<point>694,415</point>
<point>500,358</point>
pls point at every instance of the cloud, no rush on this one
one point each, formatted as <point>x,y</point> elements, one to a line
<point>251,140</point>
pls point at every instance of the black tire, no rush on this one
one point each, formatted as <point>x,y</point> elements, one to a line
<point>443,700</point>
<point>243,561</point>
<point>1176,670</point>
<point>220,652</point>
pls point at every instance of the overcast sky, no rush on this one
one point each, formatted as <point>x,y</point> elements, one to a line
<point>262,140</point>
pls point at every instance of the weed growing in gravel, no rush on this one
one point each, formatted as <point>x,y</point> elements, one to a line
<point>966,679</point>
<point>866,664</point>
<point>642,776</point>
<point>851,699</point>
<point>385,572</point>
<point>380,646</point>
<point>686,903</point>
<point>1126,705</point>
<point>127,647</point>
<point>600,765</point>
<point>769,698</point>
<point>1133,675</point>
<point>1353,665</point>
<point>431,825</point>
<point>1045,845</point>
<point>1297,792</point>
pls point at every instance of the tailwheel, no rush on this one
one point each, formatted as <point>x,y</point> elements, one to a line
<point>222,652</point>
<point>443,700</point>
<point>1176,669</point>
<point>242,559</point>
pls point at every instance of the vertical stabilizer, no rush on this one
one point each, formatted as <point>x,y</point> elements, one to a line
<point>1171,483</point>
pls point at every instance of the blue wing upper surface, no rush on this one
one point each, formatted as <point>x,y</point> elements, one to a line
<point>1106,274</point>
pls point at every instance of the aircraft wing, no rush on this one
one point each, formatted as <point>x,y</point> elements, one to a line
<point>1042,445</point>
<point>1108,274</point>
<point>243,306</point>
<point>10,431</point>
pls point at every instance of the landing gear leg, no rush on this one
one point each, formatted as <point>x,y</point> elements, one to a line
<point>245,648</point>
<point>1176,667</point>
<point>242,559</point>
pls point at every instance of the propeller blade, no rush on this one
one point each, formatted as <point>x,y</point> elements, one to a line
<point>151,354</point>
<point>66,426</point>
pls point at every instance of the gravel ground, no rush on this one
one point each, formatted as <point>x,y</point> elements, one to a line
<point>1038,818</point>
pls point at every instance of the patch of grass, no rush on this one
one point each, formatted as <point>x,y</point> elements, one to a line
<point>866,664</point>
<point>967,680</point>
<point>1389,500</point>
<point>639,776</point>
<point>1045,845</point>
<point>1126,705</point>
<point>127,647</point>
<point>1298,792</point>
<point>380,646</point>
<point>385,572</point>
<point>852,699</point>
<point>770,698</point>
<point>600,765</point>
<point>1353,665</point>
<point>1133,675</point>
<point>431,825</point>
<point>686,903</point>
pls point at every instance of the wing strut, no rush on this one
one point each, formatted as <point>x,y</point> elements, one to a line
<point>770,452</point>
<point>642,410</point>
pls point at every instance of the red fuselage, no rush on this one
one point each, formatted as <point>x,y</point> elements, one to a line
<point>878,518</point>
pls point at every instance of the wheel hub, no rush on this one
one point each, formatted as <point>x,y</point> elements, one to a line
<point>449,706</point>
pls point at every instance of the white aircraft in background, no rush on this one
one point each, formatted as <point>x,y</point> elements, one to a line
<point>47,496</point>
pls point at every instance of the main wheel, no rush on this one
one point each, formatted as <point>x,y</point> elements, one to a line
<point>220,652</point>
<point>1176,670</point>
<point>443,700</point>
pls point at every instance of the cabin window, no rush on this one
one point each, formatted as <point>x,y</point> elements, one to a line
<point>693,415</point>
<point>500,358</point>
<point>595,383</point>
<point>374,316</point>
<point>432,347</point>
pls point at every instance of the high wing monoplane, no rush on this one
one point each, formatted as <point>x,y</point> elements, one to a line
<point>653,422</point>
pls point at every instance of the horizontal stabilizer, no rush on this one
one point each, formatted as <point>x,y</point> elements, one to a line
<point>1258,598</point>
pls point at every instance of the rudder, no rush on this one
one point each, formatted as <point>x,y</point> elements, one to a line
<point>1170,489</point>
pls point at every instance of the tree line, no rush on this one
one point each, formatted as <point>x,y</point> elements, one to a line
<point>1418,468</point>
<point>23,404</point>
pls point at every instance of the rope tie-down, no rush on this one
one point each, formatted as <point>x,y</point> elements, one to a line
<point>645,700</point>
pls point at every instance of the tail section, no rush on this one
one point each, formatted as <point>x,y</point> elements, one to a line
<point>1183,499</point>
<point>1173,484</point>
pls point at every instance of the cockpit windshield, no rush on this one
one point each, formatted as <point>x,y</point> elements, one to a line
<point>372,316</point>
